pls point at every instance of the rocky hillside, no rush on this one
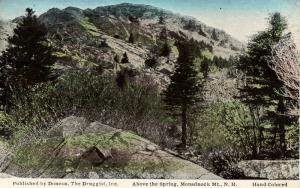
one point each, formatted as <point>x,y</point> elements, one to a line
<point>76,148</point>
<point>6,29</point>
<point>96,39</point>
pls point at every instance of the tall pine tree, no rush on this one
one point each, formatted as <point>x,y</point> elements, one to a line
<point>184,91</point>
<point>28,58</point>
<point>262,82</point>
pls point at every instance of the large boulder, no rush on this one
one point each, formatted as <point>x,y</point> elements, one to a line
<point>69,126</point>
<point>75,148</point>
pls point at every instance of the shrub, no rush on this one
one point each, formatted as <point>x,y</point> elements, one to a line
<point>209,134</point>
<point>225,163</point>
<point>165,50</point>
<point>151,62</point>
<point>136,107</point>
<point>6,128</point>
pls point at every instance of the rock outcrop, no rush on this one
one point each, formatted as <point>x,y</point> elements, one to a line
<point>75,148</point>
<point>270,169</point>
<point>6,30</point>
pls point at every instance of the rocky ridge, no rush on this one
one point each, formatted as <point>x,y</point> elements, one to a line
<point>96,39</point>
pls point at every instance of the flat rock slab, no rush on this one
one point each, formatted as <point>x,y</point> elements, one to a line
<point>270,169</point>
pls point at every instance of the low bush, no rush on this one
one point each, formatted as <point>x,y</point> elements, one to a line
<point>225,164</point>
<point>151,62</point>
<point>136,107</point>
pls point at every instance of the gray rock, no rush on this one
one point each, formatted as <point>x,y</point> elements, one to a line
<point>270,169</point>
<point>151,147</point>
<point>69,126</point>
<point>6,30</point>
<point>97,127</point>
<point>93,175</point>
<point>75,175</point>
<point>165,67</point>
<point>100,151</point>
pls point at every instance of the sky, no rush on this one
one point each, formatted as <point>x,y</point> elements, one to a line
<point>240,18</point>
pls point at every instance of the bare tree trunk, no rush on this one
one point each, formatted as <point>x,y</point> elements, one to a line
<point>191,133</point>
<point>261,138</point>
<point>281,126</point>
<point>184,126</point>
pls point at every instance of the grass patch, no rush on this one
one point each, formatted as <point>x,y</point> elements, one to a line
<point>82,62</point>
<point>90,27</point>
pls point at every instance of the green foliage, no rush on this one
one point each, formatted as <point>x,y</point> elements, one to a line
<point>90,95</point>
<point>28,59</point>
<point>209,135</point>
<point>204,67</point>
<point>262,81</point>
<point>185,84</point>
<point>224,164</point>
<point>39,152</point>
<point>90,27</point>
<point>6,125</point>
<point>245,127</point>
<point>207,54</point>
<point>184,91</point>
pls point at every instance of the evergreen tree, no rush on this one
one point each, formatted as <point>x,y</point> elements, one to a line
<point>184,91</point>
<point>161,20</point>
<point>125,59</point>
<point>204,67</point>
<point>214,35</point>
<point>117,59</point>
<point>131,38</point>
<point>201,32</point>
<point>165,50</point>
<point>191,25</point>
<point>262,82</point>
<point>122,79</point>
<point>28,58</point>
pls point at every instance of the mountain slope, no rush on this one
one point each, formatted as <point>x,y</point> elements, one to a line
<point>146,23</point>
<point>96,39</point>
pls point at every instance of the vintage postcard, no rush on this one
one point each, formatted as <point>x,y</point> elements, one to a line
<point>149,93</point>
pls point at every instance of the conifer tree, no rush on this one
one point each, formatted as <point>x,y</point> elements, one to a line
<point>125,59</point>
<point>28,58</point>
<point>184,92</point>
<point>204,67</point>
<point>214,35</point>
<point>262,84</point>
<point>161,20</point>
<point>165,50</point>
<point>131,38</point>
